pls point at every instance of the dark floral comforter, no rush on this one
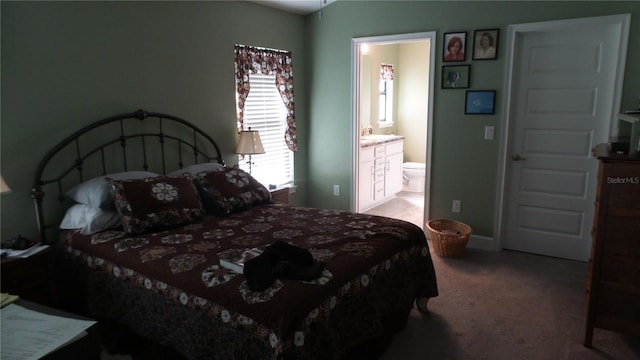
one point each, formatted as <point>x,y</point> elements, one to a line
<point>168,286</point>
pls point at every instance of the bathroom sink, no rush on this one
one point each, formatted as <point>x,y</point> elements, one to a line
<point>376,137</point>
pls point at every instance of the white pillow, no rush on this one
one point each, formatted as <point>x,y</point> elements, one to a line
<point>97,191</point>
<point>89,219</point>
<point>197,168</point>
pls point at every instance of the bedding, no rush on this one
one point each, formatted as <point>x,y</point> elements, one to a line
<point>156,202</point>
<point>90,220</point>
<point>96,192</point>
<point>229,189</point>
<point>169,286</point>
<point>159,275</point>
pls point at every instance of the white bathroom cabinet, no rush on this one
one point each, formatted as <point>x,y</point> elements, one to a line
<point>393,176</point>
<point>380,173</point>
<point>367,176</point>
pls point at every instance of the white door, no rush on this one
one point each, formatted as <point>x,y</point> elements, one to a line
<point>563,92</point>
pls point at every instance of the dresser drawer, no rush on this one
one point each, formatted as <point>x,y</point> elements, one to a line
<point>379,150</point>
<point>380,164</point>
<point>622,236</point>
<point>619,269</point>
<point>379,175</point>
<point>378,190</point>
<point>616,304</point>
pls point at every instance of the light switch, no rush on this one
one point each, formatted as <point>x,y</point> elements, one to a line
<point>488,132</point>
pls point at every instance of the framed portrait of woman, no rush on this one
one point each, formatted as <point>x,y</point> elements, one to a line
<point>485,44</point>
<point>454,45</point>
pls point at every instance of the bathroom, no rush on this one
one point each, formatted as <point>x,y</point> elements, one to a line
<point>395,76</point>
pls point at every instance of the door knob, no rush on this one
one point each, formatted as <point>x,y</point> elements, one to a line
<point>517,157</point>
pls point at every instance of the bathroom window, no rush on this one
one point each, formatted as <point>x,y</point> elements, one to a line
<point>385,107</point>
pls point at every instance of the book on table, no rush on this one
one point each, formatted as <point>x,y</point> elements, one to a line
<point>235,260</point>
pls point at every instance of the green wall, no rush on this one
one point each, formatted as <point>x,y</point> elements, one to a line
<point>464,165</point>
<point>65,65</point>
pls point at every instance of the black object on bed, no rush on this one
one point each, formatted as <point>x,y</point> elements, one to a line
<point>165,283</point>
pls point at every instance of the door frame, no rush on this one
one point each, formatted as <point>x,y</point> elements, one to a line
<point>622,21</point>
<point>355,80</point>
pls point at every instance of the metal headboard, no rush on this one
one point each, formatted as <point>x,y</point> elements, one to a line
<point>124,142</point>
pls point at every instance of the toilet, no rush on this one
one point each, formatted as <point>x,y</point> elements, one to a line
<point>413,176</point>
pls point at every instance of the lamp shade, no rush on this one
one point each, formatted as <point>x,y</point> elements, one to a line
<point>249,143</point>
<point>4,188</point>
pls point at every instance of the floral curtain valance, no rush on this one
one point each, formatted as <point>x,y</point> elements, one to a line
<point>386,72</point>
<point>251,60</point>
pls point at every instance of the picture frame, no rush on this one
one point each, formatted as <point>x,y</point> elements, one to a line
<point>485,44</point>
<point>456,76</point>
<point>480,102</point>
<point>454,46</point>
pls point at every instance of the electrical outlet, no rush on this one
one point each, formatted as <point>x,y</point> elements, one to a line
<point>336,190</point>
<point>456,206</point>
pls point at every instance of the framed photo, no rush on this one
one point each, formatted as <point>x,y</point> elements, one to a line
<point>456,76</point>
<point>485,44</point>
<point>481,102</point>
<point>454,46</point>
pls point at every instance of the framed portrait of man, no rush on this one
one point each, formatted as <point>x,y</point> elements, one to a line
<point>485,44</point>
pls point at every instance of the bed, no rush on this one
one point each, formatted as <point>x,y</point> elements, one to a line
<point>153,266</point>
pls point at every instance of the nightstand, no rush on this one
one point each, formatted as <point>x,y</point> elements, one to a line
<point>32,278</point>
<point>281,195</point>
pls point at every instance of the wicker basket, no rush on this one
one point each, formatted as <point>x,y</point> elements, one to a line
<point>448,237</point>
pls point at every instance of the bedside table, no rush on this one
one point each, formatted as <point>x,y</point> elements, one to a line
<point>281,195</point>
<point>32,278</point>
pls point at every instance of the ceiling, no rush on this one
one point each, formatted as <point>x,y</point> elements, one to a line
<point>302,7</point>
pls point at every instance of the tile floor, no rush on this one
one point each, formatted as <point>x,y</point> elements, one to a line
<point>406,205</point>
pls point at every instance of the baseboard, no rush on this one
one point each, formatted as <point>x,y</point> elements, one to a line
<point>482,243</point>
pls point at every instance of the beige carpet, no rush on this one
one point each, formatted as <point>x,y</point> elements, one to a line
<point>504,306</point>
<point>406,205</point>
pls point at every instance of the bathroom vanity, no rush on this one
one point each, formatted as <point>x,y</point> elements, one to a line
<point>380,169</point>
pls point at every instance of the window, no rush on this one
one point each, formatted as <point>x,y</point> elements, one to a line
<point>264,99</point>
<point>385,105</point>
<point>265,112</point>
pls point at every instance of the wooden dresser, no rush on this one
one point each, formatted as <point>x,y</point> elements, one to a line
<point>613,286</point>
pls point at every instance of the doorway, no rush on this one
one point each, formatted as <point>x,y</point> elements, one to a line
<point>564,85</point>
<point>411,106</point>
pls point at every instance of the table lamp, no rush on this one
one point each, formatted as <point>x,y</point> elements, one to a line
<point>249,143</point>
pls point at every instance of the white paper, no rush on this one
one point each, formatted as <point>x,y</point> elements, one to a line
<point>28,334</point>
<point>24,253</point>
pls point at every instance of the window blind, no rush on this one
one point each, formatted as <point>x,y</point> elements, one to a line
<point>265,112</point>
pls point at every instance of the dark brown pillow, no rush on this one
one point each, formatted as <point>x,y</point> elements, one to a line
<point>229,189</point>
<point>156,202</point>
